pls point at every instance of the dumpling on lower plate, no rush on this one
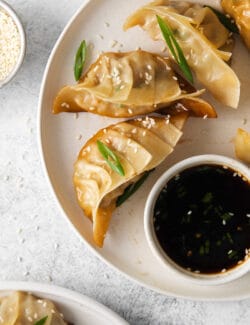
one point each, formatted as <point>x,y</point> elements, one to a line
<point>138,146</point>
<point>126,85</point>
<point>195,31</point>
<point>21,308</point>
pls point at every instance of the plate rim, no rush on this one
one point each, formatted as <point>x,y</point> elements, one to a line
<point>61,292</point>
<point>96,253</point>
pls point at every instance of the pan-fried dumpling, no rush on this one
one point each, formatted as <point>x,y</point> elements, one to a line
<point>20,308</point>
<point>202,18</point>
<point>125,85</point>
<point>140,145</point>
<point>201,54</point>
<point>239,10</point>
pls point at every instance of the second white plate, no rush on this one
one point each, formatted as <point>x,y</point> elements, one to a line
<point>76,308</point>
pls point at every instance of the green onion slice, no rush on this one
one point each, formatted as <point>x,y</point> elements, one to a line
<point>111,158</point>
<point>131,189</point>
<point>80,60</point>
<point>41,321</point>
<point>175,49</point>
<point>226,21</point>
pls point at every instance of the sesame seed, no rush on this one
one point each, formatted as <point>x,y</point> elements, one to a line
<point>175,78</point>
<point>223,270</point>
<point>107,141</point>
<point>101,36</point>
<point>205,117</point>
<point>113,43</point>
<point>10,41</point>
<point>164,49</point>
<point>66,105</point>
<point>224,222</point>
<point>130,111</point>
<point>78,137</point>
<point>107,24</point>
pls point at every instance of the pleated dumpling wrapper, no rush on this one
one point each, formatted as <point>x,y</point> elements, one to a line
<point>239,10</point>
<point>195,30</point>
<point>125,85</point>
<point>21,308</point>
<point>139,145</point>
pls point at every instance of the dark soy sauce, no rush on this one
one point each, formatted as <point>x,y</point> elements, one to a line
<point>202,218</point>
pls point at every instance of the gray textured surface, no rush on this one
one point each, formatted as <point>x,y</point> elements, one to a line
<point>35,241</point>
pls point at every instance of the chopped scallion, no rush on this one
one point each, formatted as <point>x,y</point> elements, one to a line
<point>80,60</point>
<point>226,21</point>
<point>41,321</point>
<point>111,158</point>
<point>131,189</point>
<point>175,48</point>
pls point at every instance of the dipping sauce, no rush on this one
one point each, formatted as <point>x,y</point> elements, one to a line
<point>202,219</point>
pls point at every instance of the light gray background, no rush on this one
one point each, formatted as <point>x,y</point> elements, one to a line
<point>35,241</point>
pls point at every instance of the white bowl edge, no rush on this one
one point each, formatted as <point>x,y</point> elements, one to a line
<point>201,279</point>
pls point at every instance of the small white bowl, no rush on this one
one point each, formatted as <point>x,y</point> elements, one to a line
<point>198,278</point>
<point>10,11</point>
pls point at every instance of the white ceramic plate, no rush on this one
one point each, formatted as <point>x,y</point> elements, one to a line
<point>99,22</point>
<point>76,308</point>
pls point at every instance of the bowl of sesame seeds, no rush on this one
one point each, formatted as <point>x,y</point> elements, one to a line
<point>197,219</point>
<point>12,43</point>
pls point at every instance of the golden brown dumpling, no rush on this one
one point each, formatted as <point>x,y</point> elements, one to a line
<point>242,145</point>
<point>239,10</point>
<point>201,54</point>
<point>140,145</point>
<point>21,308</point>
<point>125,85</point>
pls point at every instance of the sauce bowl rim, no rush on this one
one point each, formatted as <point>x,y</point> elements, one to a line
<point>198,278</point>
